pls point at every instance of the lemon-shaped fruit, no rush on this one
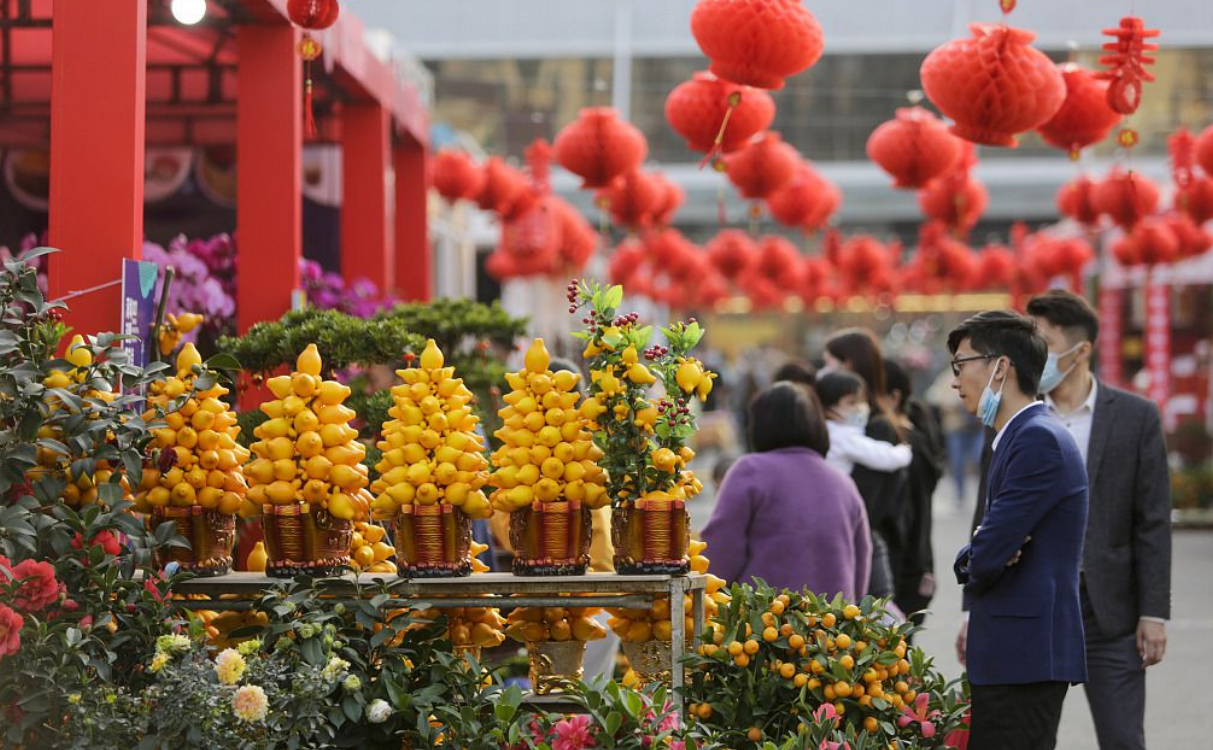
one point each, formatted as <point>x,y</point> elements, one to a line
<point>537,358</point>
<point>431,357</point>
<point>309,361</point>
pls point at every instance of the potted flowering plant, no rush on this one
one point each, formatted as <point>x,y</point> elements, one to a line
<point>643,438</point>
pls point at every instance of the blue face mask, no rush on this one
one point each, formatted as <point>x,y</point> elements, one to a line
<point>987,406</point>
<point>1052,375</point>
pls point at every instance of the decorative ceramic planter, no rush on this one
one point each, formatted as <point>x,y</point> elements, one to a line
<point>303,541</point>
<point>433,541</point>
<point>211,535</point>
<point>555,665</point>
<point>551,539</point>
<point>651,538</point>
<point>650,660</point>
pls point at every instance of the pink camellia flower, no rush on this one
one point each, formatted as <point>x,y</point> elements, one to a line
<point>10,631</point>
<point>919,715</point>
<point>38,585</point>
<point>573,734</point>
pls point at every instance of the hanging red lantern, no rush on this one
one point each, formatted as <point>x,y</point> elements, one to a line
<point>996,268</point>
<point>505,190</point>
<point>710,289</point>
<point>914,147</point>
<point>1203,151</point>
<point>672,198</point>
<point>628,257</point>
<point>1053,257</point>
<point>578,240</point>
<point>1076,199</point>
<point>1127,63</point>
<point>500,265</point>
<point>863,260</point>
<point>731,252</point>
<point>632,199</point>
<point>1151,242</point>
<point>456,176</point>
<point>1085,117</point>
<point>958,205</point>
<point>757,42</point>
<point>311,15</point>
<point>993,85</point>
<point>673,254</point>
<point>807,202</point>
<point>715,115</point>
<point>1193,194</point>
<point>763,167</point>
<point>815,275</point>
<point>598,147</point>
<point>1193,239</point>
<point>778,260</point>
<point>1196,200</point>
<point>1126,197</point>
<point>533,238</point>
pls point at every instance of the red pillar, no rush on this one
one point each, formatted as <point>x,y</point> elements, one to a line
<point>366,210</point>
<point>98,72</point>
<point>414,262</point>
<point>269,142</point>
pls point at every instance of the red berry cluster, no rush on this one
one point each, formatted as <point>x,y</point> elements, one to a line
<point>656,352</point>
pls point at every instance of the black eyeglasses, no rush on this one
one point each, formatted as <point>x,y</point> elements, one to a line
<point>956,363</point>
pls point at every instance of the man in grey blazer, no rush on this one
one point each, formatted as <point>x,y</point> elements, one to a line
<point>1126,576</point>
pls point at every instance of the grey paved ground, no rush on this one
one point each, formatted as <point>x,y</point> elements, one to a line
<point>1178,713</point>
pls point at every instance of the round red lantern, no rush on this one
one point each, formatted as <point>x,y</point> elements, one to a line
<point>500,265</point>
<point>815,276</point>
<point>533,238</point>
<point>731,252</point>
<point>757,42</point>
<point>1076,199</point>
<point>633,199</point>
<point>1204,150</point>
<point>1193,239</point>
<point>914,147</point>
<point>995,268</point>
<point>628,257</point>
<point>957,205</point>
<point>763,167</point>
<point>456,176</point>
<point>315,15</point>
<point>1126,197</point>
<point>862,260</point>
<point>993,85</point>
<point>673,253</point>
<point>598,147</point>
<point>1084,117</point>
<point>779,261</point>
<point>697,110</point>
<point>578,240</point>
<point>1052,257</point>
<point>1151,242</point>
<point>503,186</point>
<point>672,198</point>
<point>1196,200</point>
<point>807,202</point>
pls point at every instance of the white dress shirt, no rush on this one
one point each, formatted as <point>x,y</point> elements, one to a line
<point>1078,422</point>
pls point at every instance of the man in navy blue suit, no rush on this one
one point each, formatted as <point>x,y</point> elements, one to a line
<point>1020,571</point>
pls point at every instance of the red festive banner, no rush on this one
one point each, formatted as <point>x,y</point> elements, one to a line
<point>1158,342</point>
<point>1111,325</point>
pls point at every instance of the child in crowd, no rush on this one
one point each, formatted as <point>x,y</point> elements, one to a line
<point>846,408</point>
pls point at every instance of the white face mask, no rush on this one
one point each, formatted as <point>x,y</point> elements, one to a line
<point>858,417</point>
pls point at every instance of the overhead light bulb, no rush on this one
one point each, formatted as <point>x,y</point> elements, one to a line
<point>189,12</point>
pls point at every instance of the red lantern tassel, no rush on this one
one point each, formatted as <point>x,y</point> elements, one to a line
<point>718,144</point>
<point>309,113</point>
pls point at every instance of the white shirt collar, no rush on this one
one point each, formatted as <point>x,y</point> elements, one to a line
<point>1088,404</point>
<point>998,437</point>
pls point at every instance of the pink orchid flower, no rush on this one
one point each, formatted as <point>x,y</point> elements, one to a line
<point>920,714</point>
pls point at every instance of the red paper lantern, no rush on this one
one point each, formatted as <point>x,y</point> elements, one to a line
<point>1085,117</point>
<point>778,260</point>
<point>807,202</point>
<point>533,238</point>
<point>1076,199</point>
<point>503,186</point>
<point>673,254</point>
<point>1127,63</point>
<point>696,110</point>
<point>763,167</point>
<point>914,147</point>
<point>957,205</point>
<point>815,274</point>
<point>996,268</point>
<point>633,199</point>
<point>315,15</point>
<point>710,289</point>
<point>757,42</point>
<point>1196,200</point>
<point>1204,150</point>
<point>1151,242</point>
<point>993,85</point>
<point>1193,239</point>
<point>578,240</point>
<point>500,265</point>
<point>863,260</point>
<point>628,257</point>
<point>1126,197</point>
<point>673,196</point>
<point>941,262</point>
<point>456,176</point>
<point>1054,257</point>
<point>731,252</point>
<point>598,147</point>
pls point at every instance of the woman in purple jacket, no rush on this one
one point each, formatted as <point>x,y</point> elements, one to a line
<point>783,514</point>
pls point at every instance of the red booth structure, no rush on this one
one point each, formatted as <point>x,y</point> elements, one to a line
<point>100,81</point>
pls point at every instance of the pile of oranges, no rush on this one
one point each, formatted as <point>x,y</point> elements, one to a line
<point>538,624</point>
<point>654,623</point>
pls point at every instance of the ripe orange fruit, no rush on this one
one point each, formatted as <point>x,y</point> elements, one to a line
<point>750,647</point>
<point>777,607</point>
<point>850,612</point>
<point>796,641</point>
<point>842,689</point>
<point>829,693</point>
<point>705,710</point>
<point>754,735</point>
<point>788,671</point>
<point>847,661</point>
<point>871,724</point>
<point>735,648</point>
<point>814,683</point>
<point>800,680</point>
<point>829,620</point>
<point>769,635</point>
<point>901,686</point>
<point>785,629</point>
<point>860,646</point>
<point>741,660</point>
<point>842,640</point>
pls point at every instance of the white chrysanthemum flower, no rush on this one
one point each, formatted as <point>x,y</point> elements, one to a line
<point>379,711</point>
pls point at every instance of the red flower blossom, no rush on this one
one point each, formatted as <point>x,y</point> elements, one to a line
<point>104,538</point>
<point>38,585</point>
<point>149,584</point>
<point>10,631</point>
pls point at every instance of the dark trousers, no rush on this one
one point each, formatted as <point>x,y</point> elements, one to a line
<point>1116,686</point>
<point>1016,717</point>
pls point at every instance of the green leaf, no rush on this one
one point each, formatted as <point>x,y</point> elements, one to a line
<point>614,720</point>
<point>613,297</point>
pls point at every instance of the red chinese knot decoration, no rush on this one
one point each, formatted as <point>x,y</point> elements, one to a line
<point>914,147</point>
<point>311,15</point>
<point>1085,117</point>
<point>993,85</point>
<point>717,116</point>
<point>1126,63</point>
<point>598,147</point>
<point>757,43</point>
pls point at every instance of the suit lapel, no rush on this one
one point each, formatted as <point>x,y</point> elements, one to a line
<point>1000,456</point>
<point>1102,422</point>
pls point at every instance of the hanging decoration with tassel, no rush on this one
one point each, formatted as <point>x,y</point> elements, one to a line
<point>311,15</point>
